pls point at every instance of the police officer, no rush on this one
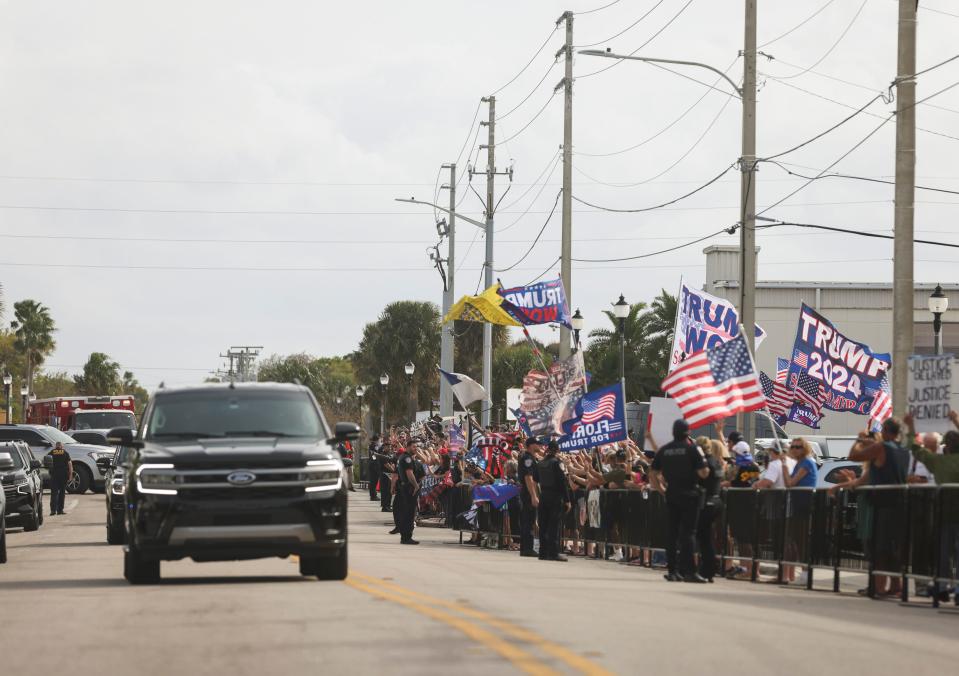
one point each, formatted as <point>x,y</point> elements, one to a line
<point>61,472</point>
<point>407,488</point>
<point>527,475</point>
<point>676,471</point>
<point>373,466</point>
<point>553,501</point>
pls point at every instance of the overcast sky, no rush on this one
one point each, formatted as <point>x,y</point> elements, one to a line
<point>131,120</point>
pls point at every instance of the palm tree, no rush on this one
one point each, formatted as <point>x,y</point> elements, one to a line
<point>33,328</point>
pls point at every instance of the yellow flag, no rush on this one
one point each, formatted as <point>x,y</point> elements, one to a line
<point>485,307</point>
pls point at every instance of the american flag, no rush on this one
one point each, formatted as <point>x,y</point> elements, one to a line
<point>800,358</point>
<point>777,396</point>
<point>809,391</point>
<point>782,368</point>
<point>716,384</point>
<point>881,403</point>
<point>605,407</point>
<point>457,440</point>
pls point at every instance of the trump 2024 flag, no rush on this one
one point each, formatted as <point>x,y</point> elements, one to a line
<point>716,384</point>
<point>466,389</point>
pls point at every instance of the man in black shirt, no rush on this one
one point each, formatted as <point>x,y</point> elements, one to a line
<point>553,500</point>
<point>527,475</point>
<point>373,467</point>
<point>407,488</point>
<point>61,471</point>
<point>676,471</point>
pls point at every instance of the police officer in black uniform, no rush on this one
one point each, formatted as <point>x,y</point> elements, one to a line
<point>676,471</point>
<point>408,475</point>
<point>61,471</point>
<point>527,475</point>
<point>553,501</point>
<point>373,467</point>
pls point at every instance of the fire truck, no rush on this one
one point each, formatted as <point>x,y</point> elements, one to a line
<point>83,413</point>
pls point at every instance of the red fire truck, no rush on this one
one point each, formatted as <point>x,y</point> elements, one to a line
<point>83,413</point>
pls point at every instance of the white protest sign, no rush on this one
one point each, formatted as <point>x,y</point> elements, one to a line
<point>663,413</point>
<point>512,402</point>
<point>929,389</point>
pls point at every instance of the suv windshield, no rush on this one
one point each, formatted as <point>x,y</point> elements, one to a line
<point>104,420</point>
<point>222,412</point>
<point>55,435</point>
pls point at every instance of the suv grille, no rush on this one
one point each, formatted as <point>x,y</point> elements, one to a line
<point>245,493</point>
<point>241,483</point>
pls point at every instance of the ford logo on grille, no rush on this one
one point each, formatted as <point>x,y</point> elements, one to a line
<point>241,478</point>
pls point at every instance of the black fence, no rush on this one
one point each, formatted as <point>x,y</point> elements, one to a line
<point>906,532</point>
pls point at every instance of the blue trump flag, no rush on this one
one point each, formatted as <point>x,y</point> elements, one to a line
<point>600,419</point>
<point>497,494</point>
<point>539,303</point>
<point>521,421</point>
<point>850,372</point>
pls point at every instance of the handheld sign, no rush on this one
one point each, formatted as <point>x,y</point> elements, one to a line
<point>929,388</point>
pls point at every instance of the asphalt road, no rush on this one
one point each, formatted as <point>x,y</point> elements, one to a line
<point>435,608</point>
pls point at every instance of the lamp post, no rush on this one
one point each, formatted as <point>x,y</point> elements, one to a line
<point>360,391</point>
<point>7,386</point>
<point>577,321</point>
<point>24,398</point>
<point>384,381</point>
<point>621,310</point>
<point>938,304</point>
<point>409,369</point>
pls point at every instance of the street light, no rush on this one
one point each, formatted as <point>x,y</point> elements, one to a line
<point>621,310</point>
<point>409,369</point>
<point>384,381</point>
<point>7,386</point>
<point>938,304</point>
<point>360,391</point>
<point>24,398</point>
<point>577,321</point>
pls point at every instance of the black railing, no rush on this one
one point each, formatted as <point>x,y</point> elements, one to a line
<point>906,532</point>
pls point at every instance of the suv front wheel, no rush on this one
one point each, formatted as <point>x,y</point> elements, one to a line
<point>325,567</point>
<point>136,570</point>
<point>81,480</point>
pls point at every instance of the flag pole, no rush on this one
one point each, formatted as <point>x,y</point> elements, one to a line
<point>752,362</point>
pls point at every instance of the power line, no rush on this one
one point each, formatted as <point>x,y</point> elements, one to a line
<point>528,63</point>
<point>538,235</point>
<point>672,166</point>
<point>529,95</point>
<point>625,30</point>
<point>533,201</point>
<point>532,120</point>
<point>597,9</point>
<point>653,37</point>
<point>857,178</point>
<point>938,11</point>
<point>942,63</point>
<point>834,45</point>
<point>861,233</point>
<point>798,26</point>
<point>656,253</point>
<point>664,204</point>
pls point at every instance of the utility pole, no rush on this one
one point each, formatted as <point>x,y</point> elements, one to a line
<point>446,338</point>
<point>491,175</point>
<point>747,166</point>
<point>242,359</point>
<point>902,262</point>
<point>566,252</point>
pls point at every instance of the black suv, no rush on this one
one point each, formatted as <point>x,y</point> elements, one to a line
<point>228,472</point>
<point>22,485</point>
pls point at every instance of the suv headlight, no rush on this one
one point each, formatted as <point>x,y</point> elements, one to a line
<point>157,479</point>
<point>322,475</point>
<point>23,488</point>
<point>117,487</point>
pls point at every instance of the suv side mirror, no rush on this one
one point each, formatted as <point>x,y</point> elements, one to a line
<point>6,461</point>
<point>120,436</point>
<point>345,431</point>
<point>35,464</point>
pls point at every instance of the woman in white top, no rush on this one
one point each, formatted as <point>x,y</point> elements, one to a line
<point>772,476</point>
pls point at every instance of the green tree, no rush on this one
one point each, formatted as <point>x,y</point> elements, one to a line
<point>405,331</point>
<point>330,379</point>
<point>131,386</point>
<point>510,366</point>
<point>55,384</point>
<point>100,375</point>
<point>468,346</point>
<point>33,328</point>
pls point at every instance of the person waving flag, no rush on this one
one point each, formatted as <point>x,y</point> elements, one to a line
<point>716,384</point>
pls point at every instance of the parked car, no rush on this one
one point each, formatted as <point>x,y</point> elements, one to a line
<point>6,463</point>
<point>41,438</point>
<point>22,486</point>
<point>240,471</point>
<point>115,491</point>
<point>831,471</point>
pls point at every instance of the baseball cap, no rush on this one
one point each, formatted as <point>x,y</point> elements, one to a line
<point>735,437</point>
<point>741,448</point>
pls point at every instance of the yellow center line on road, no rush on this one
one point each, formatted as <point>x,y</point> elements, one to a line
<point>520,658</point>
<point>569,657</point>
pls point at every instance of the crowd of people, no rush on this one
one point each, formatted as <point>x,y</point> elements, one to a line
<point>412,472</point>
